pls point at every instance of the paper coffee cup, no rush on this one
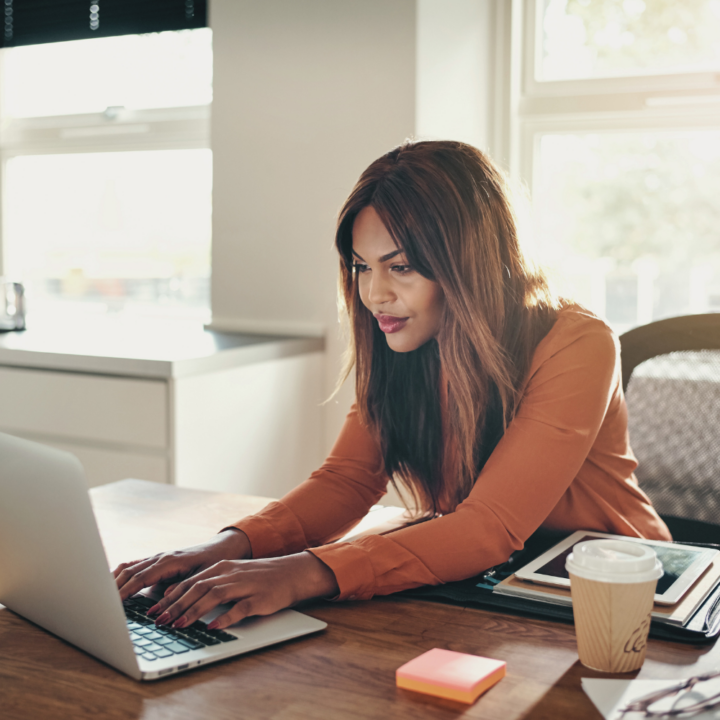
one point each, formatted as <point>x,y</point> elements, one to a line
<point>612,583</point>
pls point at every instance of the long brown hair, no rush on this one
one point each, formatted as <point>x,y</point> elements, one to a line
<point>447,206</point>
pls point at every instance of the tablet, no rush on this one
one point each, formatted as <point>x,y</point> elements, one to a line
<point>682,564</point>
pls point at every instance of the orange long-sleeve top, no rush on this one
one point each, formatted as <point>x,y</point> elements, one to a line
<point>564,463</point>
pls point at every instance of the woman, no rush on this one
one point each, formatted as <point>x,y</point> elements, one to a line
<point>498,407</point>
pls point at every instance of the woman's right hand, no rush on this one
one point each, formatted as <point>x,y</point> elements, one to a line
<point>131,577</point>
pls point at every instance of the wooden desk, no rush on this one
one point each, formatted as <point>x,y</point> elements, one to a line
<point>348,671</point>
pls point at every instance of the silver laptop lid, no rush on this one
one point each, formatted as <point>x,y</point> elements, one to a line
<point>53,570</point>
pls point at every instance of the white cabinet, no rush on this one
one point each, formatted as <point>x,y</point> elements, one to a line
<point>254,429</point>
<point>123,411</point>
<point>118,427</point>
<point>235,414</point>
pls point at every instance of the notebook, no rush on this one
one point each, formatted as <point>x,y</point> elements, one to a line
<point>54,572</point>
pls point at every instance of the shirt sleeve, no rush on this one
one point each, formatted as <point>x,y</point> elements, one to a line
<point>541,452</point>
<point>329,503</point>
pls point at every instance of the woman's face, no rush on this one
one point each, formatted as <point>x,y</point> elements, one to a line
<point>407,306</point>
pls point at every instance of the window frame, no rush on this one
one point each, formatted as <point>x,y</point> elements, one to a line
<point>681,82</point>
<point>526,109</point>
<point>114,130</point>
<point>675,101</point>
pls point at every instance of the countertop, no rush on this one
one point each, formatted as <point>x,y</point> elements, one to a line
<point>142,347</point>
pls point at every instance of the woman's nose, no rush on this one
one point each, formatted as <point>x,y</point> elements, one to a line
<point>379,290</point>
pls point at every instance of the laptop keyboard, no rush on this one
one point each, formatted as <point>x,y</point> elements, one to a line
<point>151,642</point>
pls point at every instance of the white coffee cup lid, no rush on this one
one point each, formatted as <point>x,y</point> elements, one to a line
<point>616,561</point>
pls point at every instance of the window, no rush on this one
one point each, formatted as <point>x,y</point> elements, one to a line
<point>619,110</point>
<point>582,39</point>
<point>107,172</point>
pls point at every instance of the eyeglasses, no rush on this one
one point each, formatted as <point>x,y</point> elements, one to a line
<point>690,699</point>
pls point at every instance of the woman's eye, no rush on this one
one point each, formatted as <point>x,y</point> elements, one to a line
<point>360,267</point>
<point>401,269</point>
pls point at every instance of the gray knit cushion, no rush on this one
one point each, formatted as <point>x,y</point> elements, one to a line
<point>674,407</point>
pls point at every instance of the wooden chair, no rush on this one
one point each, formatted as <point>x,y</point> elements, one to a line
<point>671,378</point>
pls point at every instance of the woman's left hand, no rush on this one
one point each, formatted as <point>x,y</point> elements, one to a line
<point>256,587</point>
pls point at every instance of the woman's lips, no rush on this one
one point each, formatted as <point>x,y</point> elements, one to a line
<point>390,324</point>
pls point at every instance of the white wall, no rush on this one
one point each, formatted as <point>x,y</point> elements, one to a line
<point>306,94</point>
<point>454,63</point>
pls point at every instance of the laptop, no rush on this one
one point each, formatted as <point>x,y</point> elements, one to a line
<point>54,572</point>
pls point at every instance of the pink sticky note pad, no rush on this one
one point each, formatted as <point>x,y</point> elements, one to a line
<point>448,674</point>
